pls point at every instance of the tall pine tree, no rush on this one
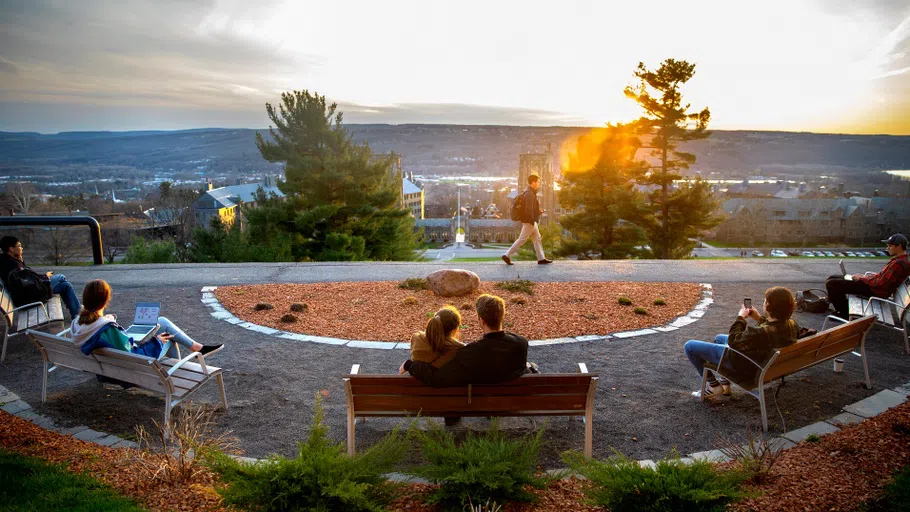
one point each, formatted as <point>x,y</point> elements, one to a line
<point>599,184</point>
<point>341,200</point>
<point>682,211</point>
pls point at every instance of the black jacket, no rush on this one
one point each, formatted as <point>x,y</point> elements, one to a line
<point>28,286</point>
<point>498,357</point>
<point>530,206</point>
<point>7,265</point>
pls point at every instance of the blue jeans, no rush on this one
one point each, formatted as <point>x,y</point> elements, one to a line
<point>701,352</point>
<point>180,337</point>
<point>62,287</point>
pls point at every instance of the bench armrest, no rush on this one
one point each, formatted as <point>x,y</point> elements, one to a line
<point>902,309</point>
<point>66,333</point>
<point>582,368</point>
<point>744,356</point>
<point>194,355</point>
<point>32,305</point>
<point>832,317</point>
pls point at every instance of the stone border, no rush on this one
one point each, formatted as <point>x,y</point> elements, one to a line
<point>852,414</point>
<point>219,312</point>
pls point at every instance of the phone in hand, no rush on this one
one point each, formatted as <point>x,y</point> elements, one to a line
<point>747,303</point>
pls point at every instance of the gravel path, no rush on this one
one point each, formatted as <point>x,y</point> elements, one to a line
<point>271,383</point>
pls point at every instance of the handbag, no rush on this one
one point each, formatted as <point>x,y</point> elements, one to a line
<point>811,302</point>
<point>25,287</point>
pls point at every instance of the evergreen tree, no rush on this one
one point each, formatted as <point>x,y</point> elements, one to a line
<point>341,200</point>
<point>681,211</point>
<point>599,184</point>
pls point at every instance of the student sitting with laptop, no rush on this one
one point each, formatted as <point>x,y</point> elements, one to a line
<point>93,329</point>
<point>881,285</point>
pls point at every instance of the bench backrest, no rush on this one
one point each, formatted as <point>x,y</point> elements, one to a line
<point>6,305</point>
<point>820,347</point>
<point>902,297</point>
<point>562,394</point>
<point>137,369</point>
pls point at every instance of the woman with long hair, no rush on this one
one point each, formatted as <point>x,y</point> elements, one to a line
<point>439,342</point>
<point>93,329</point>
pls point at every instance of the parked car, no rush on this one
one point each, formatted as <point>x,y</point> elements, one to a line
<point>793,252</point>
<point>839,254</point>
<point>807,254</point>
<point>882,253</point>
<point>758,254</point>
<point>777,253</point>
<point>829,254</point>
<point>868,254</point>
<point>851,254</point>
<point>819,254</point>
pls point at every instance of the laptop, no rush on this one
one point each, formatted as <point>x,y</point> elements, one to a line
<point>145,321</point>
<point>843,270</point>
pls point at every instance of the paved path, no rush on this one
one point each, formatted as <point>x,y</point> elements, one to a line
<point>643,407</point>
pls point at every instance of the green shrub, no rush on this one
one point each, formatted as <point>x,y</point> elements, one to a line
<point>518,301</point>
<point>321,478</point>
<point>660,302</point>
<point>263,306</point>
<point>288,318</point>
<point>641,311</point>
<point>483,468</point>
<point>413,283</point>
<point>619,483</point>
<point>517,285</point>
<point>150,251</point>
<point>625,301</point>
<point>897,492</point>
<point>409,301</point>
<point>812,438</point>
<point>298,307</point>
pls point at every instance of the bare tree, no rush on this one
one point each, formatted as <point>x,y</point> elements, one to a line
<point>116,240</point>
<point>61,245</point>
<point>22,194</point>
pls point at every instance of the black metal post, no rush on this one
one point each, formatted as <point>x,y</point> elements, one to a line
<point>61,220</point>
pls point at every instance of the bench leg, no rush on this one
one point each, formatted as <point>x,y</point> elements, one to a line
<point>589,433</point>
<point>351,432</point>
<point>764,410</point>
<point>906,340</point>
<point>3,353</point>
<point>862,352</point>
<point>704,383</point>
<point>43,383</point>
<point>221,391</point>
<point>167,416</point>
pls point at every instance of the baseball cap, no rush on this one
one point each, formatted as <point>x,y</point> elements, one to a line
<point>897,239</point>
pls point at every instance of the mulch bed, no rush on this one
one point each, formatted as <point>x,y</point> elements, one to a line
<point>839,472</point>
<point>379,310</point>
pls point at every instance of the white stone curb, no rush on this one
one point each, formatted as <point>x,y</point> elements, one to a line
<point>220,313</point>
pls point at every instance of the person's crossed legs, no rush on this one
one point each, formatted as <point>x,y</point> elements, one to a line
<point>62,287</point>
<point>701,352</point>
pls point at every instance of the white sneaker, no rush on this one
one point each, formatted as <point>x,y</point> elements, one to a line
<point>713,391</point>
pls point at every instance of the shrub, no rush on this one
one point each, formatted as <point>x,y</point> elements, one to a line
<point>298,307</point>
<point>897,492</point>
<point>518,301</point>
<point>755,458</point>
<point>467,306</point>
<point>660,302</point>
<point>625,301</point>
<point>150,251</point>
<point>619,483</point>
<point>321,478</point>
<point>641,311</point>
<point>288,318</point>
<point>482,468</point>
<point>517,285</point>
<point>263,306</point>
<point>812,438</point>
<point>410,301</point>
<point>413,283</point>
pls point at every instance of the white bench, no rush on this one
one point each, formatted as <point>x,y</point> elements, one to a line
<point>891,312</point>
<point>174,379</point>
<point>17,320</point>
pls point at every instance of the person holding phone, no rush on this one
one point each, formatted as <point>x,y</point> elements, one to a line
<point>773,330</point>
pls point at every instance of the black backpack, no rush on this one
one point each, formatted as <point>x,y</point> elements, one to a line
<point>517,208</point>
<point>25,287</point>
<point>811,302</point>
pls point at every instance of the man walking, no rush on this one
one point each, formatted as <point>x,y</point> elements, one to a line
<point>880,285</point>
<point>11,260</point>
<point>529,215</point>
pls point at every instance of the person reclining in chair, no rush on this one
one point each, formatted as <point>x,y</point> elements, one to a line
<point>880,285</point>
<point>27,286</point>
<point>499,356</point>
<point>773,331</point>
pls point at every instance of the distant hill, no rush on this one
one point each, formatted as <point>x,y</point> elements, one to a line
<point>440,149</point>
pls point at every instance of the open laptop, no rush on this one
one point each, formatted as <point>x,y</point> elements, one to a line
<point>145,321</point>
<point>843,271</point>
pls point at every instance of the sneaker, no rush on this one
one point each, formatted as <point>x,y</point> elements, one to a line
<point>713,391</point>
<point>532,367</point>
<point>507,259</point>
<point>208,350</point>
<point>544,262</point>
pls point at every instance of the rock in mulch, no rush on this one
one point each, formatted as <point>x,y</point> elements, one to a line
<point>453,282</point>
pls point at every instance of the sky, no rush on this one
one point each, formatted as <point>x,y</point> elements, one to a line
<point>834,66</point>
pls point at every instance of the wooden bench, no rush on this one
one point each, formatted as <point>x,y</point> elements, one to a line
<point>891,313</point>
<point>17,320</point>
<point>175,379</point>
<point>530,395</point>
<point>810,351</point>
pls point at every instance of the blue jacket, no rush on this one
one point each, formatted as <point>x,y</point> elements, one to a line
<point>152,348</point>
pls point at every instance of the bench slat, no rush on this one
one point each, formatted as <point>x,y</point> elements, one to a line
<point>391,389</point>
<point>467,414</point>
<point>478,403</point>
<point>551,379</point>
<point>144,380</point>
<point>75,361</point>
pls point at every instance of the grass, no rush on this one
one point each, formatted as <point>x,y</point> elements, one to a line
<point>32,485</point>
<point>517,285</point>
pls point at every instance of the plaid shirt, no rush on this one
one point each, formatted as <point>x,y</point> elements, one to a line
<point>886,282</point>
<point>758,343</point>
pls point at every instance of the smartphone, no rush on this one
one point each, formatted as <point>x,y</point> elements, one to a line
<point>747,303</point>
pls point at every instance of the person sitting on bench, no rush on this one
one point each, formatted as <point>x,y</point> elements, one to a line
<point>437,344</point>
<point>11,262</point>
<point>880,285</point>
<point>773,331</point>
<point>93,329</point>
<point>499,356</point>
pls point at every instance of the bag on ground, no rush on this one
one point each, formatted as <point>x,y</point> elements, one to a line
<point>811,302</point>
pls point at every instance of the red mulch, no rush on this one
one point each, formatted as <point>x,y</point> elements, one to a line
<point>560,495</point>
<point>378,311</point>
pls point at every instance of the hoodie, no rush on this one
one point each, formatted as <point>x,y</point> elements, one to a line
<point>102,333</point>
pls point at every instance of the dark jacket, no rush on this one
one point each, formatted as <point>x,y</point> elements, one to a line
<point>497,357</point>
<point>7,265</point>
<point>530,206</point>
<point>28,286</point>
<point>758,343</point>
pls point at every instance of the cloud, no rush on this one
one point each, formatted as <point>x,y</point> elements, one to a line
<point>8,67</point>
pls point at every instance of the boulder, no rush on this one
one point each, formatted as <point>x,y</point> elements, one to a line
<point>452,282</point>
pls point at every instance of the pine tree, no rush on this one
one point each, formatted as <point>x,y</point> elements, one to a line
<point>341,200</point>
<point>598,183</point>
<point>682,211</point>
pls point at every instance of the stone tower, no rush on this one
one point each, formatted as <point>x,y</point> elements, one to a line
<point>540,164</point>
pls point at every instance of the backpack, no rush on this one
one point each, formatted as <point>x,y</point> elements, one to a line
<point>517,208</point>
<point>26,287</point>
<point>811,302</point>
